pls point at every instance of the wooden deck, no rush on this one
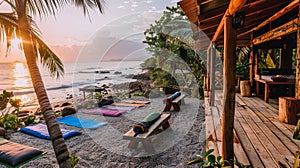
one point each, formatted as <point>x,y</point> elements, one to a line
<point>260,139</point>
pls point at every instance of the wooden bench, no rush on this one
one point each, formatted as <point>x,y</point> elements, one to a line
<point>145,137</point>
<point>268,82</point>
<point>175,103</point>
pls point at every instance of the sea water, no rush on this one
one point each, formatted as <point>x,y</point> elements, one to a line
<point>15,77</point>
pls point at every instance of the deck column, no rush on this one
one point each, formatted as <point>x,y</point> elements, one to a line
<point>212,73</point>
<point>229,73</point>
<point>297,85</point>
<point>208,71</point>
<point>251,61</point>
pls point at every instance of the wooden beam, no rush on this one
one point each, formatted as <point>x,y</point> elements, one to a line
<point>218,11</point>
<point>282,30</point>
<point>235,5</point>
<point>190,9</point>
<point>220,28</point>
<point>271,44</point>
<point>283,11</point>
<point>212,18</point>
<point>229,73</point>
<point>205,2</point>
<point>212,5</point>
<point>209,27</point>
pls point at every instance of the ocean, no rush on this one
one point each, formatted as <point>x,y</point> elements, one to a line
<point>15,77</point>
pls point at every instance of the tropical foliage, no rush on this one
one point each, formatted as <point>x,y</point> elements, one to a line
<point>6,98</point>
<point>18,23</point>
<point>269,58</point>
<point>211,161</point>
<point>170,41</point>
<point>9,109</point>
<point>296,134</point>
<point>242,60</point>
<point>9,106</point>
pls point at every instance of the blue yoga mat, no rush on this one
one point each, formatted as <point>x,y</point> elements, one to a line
<point>81,122</point>
<point>41,131</point>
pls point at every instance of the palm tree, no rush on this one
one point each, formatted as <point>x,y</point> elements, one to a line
<point>18,23</point>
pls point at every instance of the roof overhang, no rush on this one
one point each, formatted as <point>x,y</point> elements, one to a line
<point>261,16</point>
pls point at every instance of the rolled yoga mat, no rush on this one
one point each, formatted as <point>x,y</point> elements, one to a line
<point>143,126</point>
<point>172,97</point>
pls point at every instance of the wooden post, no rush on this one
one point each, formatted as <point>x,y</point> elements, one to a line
<point>251,61</point>
<point>208,71</point>
<point>255,52</point>
<point>297,85</point>
<point>212,73</point>
<point>229,72</point>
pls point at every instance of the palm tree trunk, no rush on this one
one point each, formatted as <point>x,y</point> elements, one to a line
<point>58,143</point>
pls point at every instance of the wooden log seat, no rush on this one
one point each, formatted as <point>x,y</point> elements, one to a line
<point>289,110</point>
<point>175,103</point>
<point>145,137</point>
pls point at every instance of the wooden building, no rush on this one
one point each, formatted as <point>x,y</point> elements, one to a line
<point>259,24</point>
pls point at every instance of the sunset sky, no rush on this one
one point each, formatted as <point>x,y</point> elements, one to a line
<point>71,28</point>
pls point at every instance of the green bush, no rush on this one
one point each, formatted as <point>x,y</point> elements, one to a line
<point>74,160</point>
<point>210,161</point>
<point>11,122</point>
<point>138,94</point>
<point>29,120</point>
<point>9,106</point>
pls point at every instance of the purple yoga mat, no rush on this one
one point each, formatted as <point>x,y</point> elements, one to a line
<point>111,113</point>
<point>119,108</point>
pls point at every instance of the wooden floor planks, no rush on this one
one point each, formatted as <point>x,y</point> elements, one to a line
<point>263,141</point>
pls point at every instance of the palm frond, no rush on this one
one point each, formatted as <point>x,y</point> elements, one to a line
<point>48,58</point>
<point>242,52</point>
<point>50,7</point>
<point>86,4</point>
<point>45,7</point>
<point>8,29</point>
<point>10,3</point>
<point>34,27</point>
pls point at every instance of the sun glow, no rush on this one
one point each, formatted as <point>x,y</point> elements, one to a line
<point>16,43</point>
<point>21,75</point>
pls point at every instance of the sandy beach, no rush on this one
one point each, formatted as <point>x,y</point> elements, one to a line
<point>104,147</point>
